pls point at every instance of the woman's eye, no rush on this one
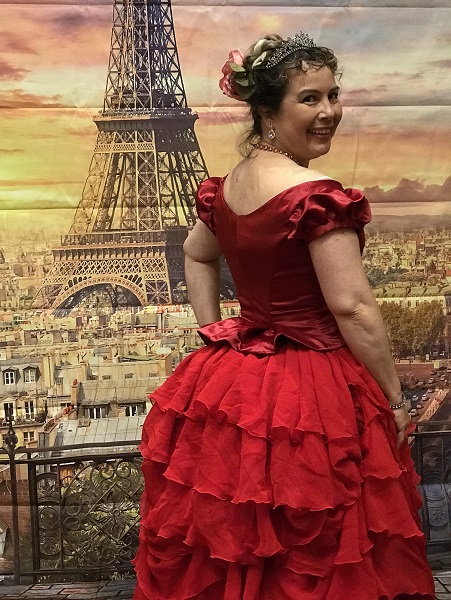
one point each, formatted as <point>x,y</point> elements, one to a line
<point>334,96</point>
<point>309,99</point>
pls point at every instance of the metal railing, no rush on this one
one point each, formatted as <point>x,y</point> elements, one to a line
<point>431,452</point>
<point>83,503</point>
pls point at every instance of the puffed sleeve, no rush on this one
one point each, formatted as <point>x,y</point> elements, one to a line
<point>322,210</point>
<point>205,198</point>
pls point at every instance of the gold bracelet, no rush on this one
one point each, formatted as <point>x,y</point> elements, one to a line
<point>399,405</point>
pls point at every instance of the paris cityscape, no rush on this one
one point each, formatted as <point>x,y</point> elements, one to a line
<point>97,345</point>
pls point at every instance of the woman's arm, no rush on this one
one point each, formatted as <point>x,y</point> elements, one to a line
<point>338,265</point>
<point>202,253</point>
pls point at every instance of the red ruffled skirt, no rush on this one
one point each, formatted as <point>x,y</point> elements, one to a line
<point>277,477</point>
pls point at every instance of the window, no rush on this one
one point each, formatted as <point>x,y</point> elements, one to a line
<point>29,375</point>
<point>59,380</point>
<point>95,412</point>
<point>8,408</point>
<point>106,376</point>
<point>28,436</point>
<point>9,377</point>
<point>128,375</point>
<point>131,410</point>
<point>29,409</point>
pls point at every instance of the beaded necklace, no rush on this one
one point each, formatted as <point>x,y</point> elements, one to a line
<point>269,148</point>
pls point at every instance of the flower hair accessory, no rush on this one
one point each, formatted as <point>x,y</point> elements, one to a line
<point>237,82</point>
<point>261,55</point>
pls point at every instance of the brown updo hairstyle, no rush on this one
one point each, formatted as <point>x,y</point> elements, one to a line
<point>272,83</point>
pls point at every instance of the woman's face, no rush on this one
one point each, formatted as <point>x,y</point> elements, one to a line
<point>309,114</point>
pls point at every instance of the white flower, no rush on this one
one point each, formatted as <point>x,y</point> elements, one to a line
<point>259,60</point>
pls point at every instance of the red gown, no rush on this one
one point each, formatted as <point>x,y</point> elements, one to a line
<point>270,460</point>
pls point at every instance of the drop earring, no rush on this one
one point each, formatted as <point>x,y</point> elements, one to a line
<point>272,132</point>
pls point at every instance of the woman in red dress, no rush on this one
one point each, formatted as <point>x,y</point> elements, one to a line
<point>275,460</point>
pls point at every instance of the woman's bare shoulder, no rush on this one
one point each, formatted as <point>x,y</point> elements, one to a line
<point>284,179</point>
<point>299,175</point>
<point>251,184</point>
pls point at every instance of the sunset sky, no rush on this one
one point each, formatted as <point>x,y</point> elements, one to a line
<point>53,66</point>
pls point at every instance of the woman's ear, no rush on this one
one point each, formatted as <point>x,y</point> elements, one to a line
<point>265,114</point>
<point>266,119</point>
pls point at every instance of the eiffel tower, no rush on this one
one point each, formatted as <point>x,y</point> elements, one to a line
<point>138,202</point>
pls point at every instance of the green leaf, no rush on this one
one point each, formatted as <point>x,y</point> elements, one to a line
<point>245,92</point>
<point>237,68</point>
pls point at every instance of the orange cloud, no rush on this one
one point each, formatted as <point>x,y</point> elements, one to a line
<point>12,43</point>
<point>28,182</point>
<point>10,73</point>
<point>222,117</point>
<point>18,99</point>
<point>356,97</point>
<point>6,151</point>
<point>82,132</point>
<point>409,190</point>
<point>441,64</point>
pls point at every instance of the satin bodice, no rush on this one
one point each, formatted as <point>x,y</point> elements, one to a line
<point>268,256</point>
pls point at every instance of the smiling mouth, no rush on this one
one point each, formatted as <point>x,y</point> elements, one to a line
<point>321,132</point>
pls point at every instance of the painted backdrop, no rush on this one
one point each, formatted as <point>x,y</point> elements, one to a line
<point>394,139</point>
<point>394,142</point>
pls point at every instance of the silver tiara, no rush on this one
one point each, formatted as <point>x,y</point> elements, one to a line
<point>300,40</point>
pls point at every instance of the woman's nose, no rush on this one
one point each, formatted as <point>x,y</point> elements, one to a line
<point>326,109</point>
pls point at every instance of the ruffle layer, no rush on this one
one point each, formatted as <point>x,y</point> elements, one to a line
<point>277,478</point>
<point>205,198</point>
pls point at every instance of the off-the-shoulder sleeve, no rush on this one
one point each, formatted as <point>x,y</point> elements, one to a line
<point>321,211</point>
<point>205,198</point>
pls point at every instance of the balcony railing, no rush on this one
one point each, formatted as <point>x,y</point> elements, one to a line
<point>431,452</point>
<point>81,511</point>
<point>23,421</point>
<point>81,503</point>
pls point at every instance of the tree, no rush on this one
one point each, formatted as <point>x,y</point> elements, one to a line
<point>413,331</point>
<point>429,324</point>
<point>393,318</point>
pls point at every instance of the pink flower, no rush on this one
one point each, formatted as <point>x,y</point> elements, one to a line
<point>226,82</point>
<point>226,85</point>
<point>235,56</point>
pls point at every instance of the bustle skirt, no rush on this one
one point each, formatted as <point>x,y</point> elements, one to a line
<point>277,477</point>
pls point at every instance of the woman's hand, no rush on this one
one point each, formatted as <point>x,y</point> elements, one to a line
<point>402,421</point>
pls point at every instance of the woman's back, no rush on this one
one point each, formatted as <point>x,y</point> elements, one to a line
<point>266,248</point>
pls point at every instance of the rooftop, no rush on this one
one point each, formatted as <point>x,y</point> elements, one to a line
<point>93,431</point>
<point>104,391</point>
